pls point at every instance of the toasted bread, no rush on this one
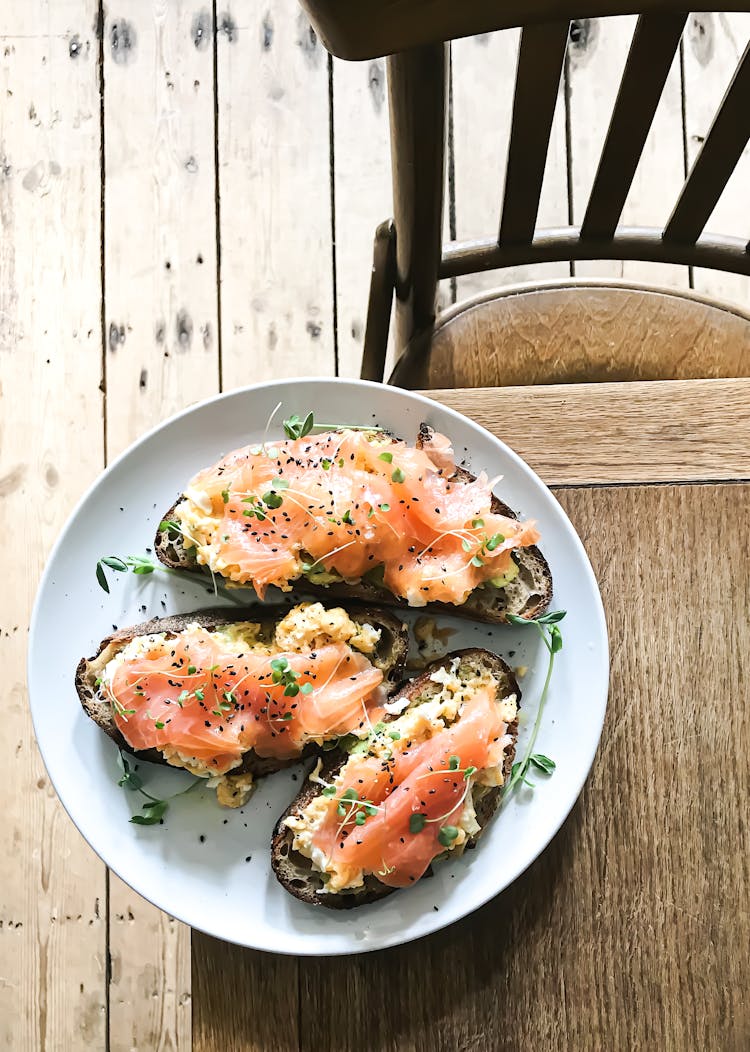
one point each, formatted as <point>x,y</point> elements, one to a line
<point>296,873</point>
<point>528,595</point>
<point>389,657</point>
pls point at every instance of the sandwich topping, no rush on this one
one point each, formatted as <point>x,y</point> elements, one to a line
<point>205,698</point>
<point>407,793</point>
<point>350,505</point>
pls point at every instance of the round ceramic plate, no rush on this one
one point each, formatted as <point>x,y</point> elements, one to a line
<point>208,866</point>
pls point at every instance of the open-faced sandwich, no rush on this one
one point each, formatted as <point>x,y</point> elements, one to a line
<point>231,699</point>
<point>359,514</point>
<point>379,811</point>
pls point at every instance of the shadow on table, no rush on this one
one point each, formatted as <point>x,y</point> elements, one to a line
<point>449,990</point>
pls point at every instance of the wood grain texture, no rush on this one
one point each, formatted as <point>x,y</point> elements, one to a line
<point>162,354</point>
<point>573,332</point>
<point>484,68</point>
<point>275,195</point>
<point>596,60</point>
<point>52,887</point>
<point>632,930</point>
<point>362,187</point>
<point>658,431</point>
<point>243,1000</point>
<point>714,43</point>
<point>378,27</point>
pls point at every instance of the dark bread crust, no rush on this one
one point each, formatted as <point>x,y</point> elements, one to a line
<point>295,872</point>
<point>528,596</point>
<point>390,657</point>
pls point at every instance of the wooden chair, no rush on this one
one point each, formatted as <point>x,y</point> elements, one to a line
<point>550,332</point>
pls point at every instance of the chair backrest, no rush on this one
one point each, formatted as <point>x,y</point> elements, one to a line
<point>412,257</point>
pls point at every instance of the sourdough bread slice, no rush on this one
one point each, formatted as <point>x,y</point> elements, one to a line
<point>296,872</point>
<point>389,657</point>
<point>528,595</point>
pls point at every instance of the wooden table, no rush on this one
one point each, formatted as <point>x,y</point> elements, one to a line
<point>632,931</point>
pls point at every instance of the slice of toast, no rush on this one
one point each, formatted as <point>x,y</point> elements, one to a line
<point>296,873</point>
<point>528,595</point>
<point>389,657</point>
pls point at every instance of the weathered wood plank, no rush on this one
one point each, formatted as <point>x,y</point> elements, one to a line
<point>275,195</point>
<point>52,902</point>
<point>484,70</point>
<point>162,353</point>
<point>714,43</point>
<point>580,952</point>
<point>655,431</point>
<point>364,198</point>
<point>362,183</point>
<point>596,59</point>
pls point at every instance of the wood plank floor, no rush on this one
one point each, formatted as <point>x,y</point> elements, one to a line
<point>187,201</point>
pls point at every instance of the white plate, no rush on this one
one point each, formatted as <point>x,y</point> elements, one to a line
<point>208,866</point>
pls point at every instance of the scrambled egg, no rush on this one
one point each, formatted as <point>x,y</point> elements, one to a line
<point>310,625</point>
<point>304,627</point>
<point>417,724</point>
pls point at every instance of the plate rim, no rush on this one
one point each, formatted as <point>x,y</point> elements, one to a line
<point>433,922</point>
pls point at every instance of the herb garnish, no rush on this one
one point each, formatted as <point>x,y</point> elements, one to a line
<point>283,674</point>
<point>139,564</point>
<point>295,427</point>
<point>551,635</point>
<point>154,809</point>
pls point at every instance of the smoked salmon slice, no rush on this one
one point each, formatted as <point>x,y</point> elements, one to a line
<point>195,698</point>
<point>350,505</point>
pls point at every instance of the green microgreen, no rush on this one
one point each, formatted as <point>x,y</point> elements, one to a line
<point>547,626</point>
<point>153,809</point>
<point>387,457</point>
<point>417,822</point>
<point>295,427</point>
<point>385,507</point>
<point>447,835</point>
<point>347,518</point>
<point>283,674</point>
<point>139,564</point>
<point>476,523</point>
<point>225,495</point>
<point>398,475</point>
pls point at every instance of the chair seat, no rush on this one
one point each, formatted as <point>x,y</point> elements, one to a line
<point>579,332</point>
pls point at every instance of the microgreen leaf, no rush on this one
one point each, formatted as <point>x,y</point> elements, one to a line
<point>170,526</point>
<point>466,545</point>
<point>447,835</point>
<point>543,762</point>
<point>454,763</point>
<point>272,500</point>
<point>417,822</point>
<point>476,561</point>
<point>225,495</point>
<point>306,688</point>
<point>102,577</point>
<point>398,475</point>
<point>387,457</point>
<point>114,563</point>
<point>475,523</point>
<point>493,542</point>
<point>347,518</point>
<point>385,507</point>
<point>154,812</point>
